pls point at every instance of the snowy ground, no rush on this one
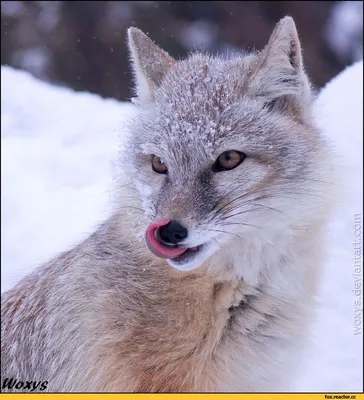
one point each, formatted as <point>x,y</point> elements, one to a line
<point>57,149</point>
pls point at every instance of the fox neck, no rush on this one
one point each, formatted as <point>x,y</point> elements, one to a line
<point>286,264</point>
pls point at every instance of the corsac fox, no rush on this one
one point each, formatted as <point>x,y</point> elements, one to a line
<point>204,276</point>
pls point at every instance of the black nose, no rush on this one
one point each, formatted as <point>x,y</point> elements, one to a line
<point>172,233</point>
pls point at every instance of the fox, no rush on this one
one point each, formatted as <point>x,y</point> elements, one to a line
<point>204,277</point>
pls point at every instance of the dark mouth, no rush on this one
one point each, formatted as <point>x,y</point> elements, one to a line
<point>188,255</point>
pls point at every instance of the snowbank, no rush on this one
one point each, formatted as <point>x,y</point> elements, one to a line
<point>56,172</point>
<point>336,360</point>
<point>56,148</point>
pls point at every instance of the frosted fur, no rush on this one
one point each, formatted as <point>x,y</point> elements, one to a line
<point>110,316</point>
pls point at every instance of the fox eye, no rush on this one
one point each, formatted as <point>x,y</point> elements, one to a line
<point>158,165</point>
<point>228,160</point>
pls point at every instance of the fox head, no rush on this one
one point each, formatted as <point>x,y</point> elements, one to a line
<point>224,149</point>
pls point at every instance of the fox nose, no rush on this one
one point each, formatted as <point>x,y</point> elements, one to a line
<point>172,233</point>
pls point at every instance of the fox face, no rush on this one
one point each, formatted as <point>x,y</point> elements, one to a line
<point>224,149</point>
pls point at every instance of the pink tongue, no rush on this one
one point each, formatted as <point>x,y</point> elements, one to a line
<point>157,248</point>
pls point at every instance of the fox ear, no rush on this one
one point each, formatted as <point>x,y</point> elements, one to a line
<point>150,62</point>
<point>279,77</point>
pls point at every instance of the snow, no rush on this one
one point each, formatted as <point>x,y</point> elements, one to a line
<point>335,363</point>
<point>57,153</point>
<point>56,170</point>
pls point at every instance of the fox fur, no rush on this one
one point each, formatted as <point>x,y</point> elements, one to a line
<point>109,316</point>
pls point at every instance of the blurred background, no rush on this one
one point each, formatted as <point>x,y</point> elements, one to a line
<point>82,44</point>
